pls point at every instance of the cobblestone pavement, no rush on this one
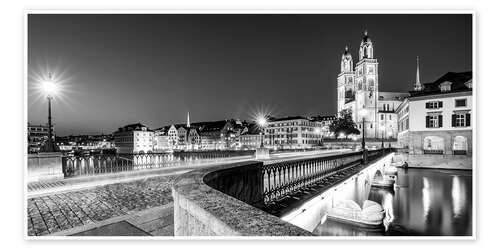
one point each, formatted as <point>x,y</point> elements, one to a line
<point>61,211</point>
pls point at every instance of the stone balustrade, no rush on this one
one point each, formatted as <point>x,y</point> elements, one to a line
<point>229,200</point>
<point>44,166</point>
<point>216,201</point>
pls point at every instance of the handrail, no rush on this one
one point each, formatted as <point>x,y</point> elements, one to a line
<point>283,178</point>
<point>76,165</point>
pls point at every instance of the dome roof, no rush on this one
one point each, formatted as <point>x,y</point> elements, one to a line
<point>347,54</point>
<point>366,38</point>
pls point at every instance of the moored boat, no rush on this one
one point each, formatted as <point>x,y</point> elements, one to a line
<point>371,214</point>
<point>384,182</point>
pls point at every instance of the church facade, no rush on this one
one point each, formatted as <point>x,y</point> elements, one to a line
<point>358,91</point>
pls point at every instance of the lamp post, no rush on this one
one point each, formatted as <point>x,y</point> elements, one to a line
<point>261,121</point>
<point>318,133</point>
<point>382,129</point>
<point>389,134</point>
<point>49,88</point>
<point>363,114</point>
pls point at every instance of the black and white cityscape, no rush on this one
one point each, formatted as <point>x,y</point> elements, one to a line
<point>201,125</point>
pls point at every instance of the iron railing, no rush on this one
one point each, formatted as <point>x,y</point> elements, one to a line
<point>283,178</point>
<point>111,163</point>
<point>433,151</point>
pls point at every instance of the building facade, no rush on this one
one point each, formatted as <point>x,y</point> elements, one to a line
<point>37,135</point>
<point>134,138</point>
<point>437,117</point>
<point>292,132</point>
<point>358,89</point>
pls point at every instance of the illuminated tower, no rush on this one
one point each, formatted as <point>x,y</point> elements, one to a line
<point>345,81</point>
<point>366,86</point>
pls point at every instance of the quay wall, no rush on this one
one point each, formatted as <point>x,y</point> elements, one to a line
<point>357,188</point>
<point>459,162</point>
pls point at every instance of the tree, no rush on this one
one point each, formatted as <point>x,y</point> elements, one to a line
<point>343,123</point>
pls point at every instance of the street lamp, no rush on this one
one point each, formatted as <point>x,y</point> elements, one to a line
<point>317,131</point>
<point>382,128</point>
<point>262,122</point>
<point>50,89</point>
<point>363,113</point>
<point>341,135</point>
<point>389,134</point>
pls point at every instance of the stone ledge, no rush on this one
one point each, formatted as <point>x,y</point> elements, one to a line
<point>200,210</point>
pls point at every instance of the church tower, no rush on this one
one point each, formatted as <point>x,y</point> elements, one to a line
<point>188,122</point>
<point>366,86</point>
<point>345,80</point>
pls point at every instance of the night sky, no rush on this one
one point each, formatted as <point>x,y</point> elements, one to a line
<point>120,69</point>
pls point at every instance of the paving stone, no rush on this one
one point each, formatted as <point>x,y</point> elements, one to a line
<point>56,212</point>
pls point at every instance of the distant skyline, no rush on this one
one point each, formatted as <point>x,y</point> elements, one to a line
<point>121,69</point>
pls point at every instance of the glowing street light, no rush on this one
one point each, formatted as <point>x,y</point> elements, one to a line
<point>341,135</point>
<point>390,135</point>
<point>262,122</point>
<point>49,88</point>
<point>317,131</point>
<point>382,128</point>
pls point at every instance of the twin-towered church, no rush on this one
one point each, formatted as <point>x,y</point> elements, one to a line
<point>358,89</point>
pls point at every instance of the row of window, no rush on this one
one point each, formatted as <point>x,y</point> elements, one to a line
<point>457,120</point>
<point>281,142</point>
<point>389,117</point>
<point>439,104</point>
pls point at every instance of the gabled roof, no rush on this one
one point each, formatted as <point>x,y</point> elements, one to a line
<point>134,127</point>
<point>287,118</point>
<point>323,117</point>
<point>457,81</point>
<point>253,129</point>
<point>210,126</point>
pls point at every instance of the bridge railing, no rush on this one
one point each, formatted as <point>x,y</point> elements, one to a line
<point>78,165</point>
<point>283,178</point>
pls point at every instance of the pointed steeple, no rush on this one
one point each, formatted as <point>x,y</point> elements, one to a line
<point>418,85</point>
<point>188,123</point>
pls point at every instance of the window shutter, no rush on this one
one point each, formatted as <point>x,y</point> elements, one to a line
<point>440,121</point>
<point>440,105</point>
<point>467,120</point>
<point>426,105</point>
<point>453,120</point>
<point>427,121</point>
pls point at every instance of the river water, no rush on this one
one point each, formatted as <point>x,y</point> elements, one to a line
<point>426,202</point>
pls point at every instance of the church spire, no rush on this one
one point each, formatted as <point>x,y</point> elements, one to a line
<point>418,85</point>
<point>188,123</point>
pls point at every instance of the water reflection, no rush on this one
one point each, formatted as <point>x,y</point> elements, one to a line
<point>425,202</point>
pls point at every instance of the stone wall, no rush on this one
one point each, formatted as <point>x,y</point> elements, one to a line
<point>207,210</point>
<point>45,166</point>
<point>460,162</point>
<point>354,144</point>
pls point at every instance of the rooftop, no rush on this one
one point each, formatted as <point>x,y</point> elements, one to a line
<point>457,84</point>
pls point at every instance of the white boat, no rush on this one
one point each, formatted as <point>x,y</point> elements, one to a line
<point>348,211</point>
<point>401,164</point>
<point>385,181</point>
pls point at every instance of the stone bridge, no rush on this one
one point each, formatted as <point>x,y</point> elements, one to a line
<point>231,200</point>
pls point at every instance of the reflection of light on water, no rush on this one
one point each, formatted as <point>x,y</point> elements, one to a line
<point>389,210</point>
<point>426,198</point>
<point>457,196</point>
